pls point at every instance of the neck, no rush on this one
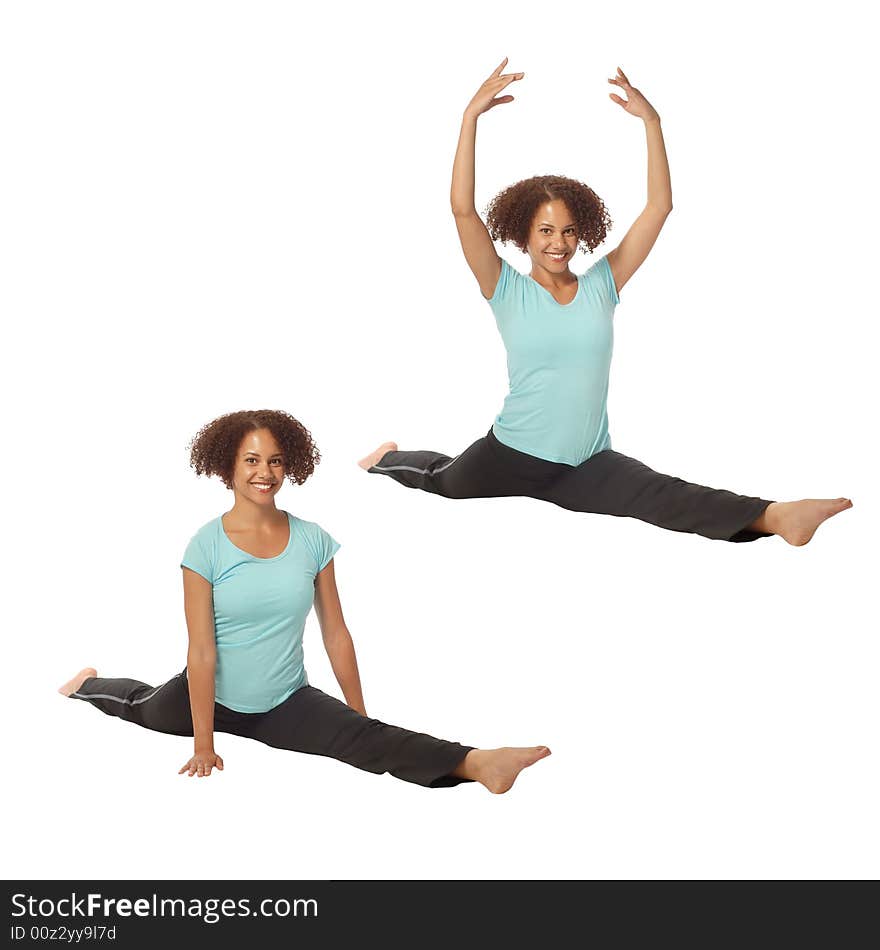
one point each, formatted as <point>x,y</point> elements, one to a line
<point>248,514</point>
<point>548,278</point>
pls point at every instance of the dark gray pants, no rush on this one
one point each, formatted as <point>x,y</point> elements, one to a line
<point>307,721</point>
<point>607,484</point>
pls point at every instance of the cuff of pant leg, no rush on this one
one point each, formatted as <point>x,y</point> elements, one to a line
<point>78,694</point>
<point>747,534</point>
<point>448,780</point>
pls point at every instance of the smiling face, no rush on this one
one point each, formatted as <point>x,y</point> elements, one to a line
<point>553,238</point>
<point>259,468</point>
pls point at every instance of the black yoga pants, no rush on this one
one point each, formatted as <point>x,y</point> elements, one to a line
<point>607,484</point>
<point>307,721</point>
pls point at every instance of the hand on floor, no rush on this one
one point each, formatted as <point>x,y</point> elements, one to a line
<point>201,764</point>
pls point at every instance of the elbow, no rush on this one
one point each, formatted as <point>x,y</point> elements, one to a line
<point>337,638</point>
<point>201,659</point>
<point>460,210</point>
<point>661,208</point>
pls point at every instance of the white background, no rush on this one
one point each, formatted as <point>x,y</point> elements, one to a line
<point>216,206</point>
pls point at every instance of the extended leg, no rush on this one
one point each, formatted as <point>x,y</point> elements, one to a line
<point>163,708</point>
<point>477,473</point>
<point>313,722</point>
<point>613,484</point>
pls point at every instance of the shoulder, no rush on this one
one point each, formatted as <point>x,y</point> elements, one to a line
<point>209,532</point>
<point>309,531</point>
<point>600,277</point>
<point>318,542</point>
<point>508,280</point>
<point>596,269</point>
<point>201,554</point>
<point>304,528</point>
<point>210,528</point>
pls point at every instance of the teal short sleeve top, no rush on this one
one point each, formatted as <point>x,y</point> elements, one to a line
<point>260,610</point>
<point>558,364</point>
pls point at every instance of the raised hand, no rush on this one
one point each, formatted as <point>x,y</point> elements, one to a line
<point>485,98</point>
<point>635,103</point>
<point>201,764</point>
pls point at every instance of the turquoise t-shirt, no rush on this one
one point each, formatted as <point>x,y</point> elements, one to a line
<point>260,610</point>
<point>558,363</point>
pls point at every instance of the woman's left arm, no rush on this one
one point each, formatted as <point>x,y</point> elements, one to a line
<point>629,255</point>
<point>337,639</point>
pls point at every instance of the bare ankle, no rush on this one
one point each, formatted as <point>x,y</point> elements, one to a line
<point>470,766</point>
<point>765,523</point>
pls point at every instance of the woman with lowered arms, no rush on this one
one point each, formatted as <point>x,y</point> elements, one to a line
<point>250,578</point>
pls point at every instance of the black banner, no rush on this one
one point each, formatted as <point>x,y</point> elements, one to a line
<point>99,914</point>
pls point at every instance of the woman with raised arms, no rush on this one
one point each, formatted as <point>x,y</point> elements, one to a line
<point>551,441</point>
<point>250,577</point>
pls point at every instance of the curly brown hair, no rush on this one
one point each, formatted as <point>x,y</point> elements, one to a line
<point>510,214</point>
<point>213,450</point>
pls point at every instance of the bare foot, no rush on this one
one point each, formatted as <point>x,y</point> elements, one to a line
<point>71,686</point>
<point>368,461</point>
<point>796,521</point>
<point>498,769</point>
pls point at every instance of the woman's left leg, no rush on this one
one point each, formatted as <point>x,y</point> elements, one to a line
<point>613,484</point>
<point>313,722</point>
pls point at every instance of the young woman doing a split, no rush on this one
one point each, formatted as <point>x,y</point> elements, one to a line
<point>550,441</point>
<point>249,580</point>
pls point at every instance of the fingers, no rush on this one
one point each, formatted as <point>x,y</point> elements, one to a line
<point>497,70</point>
<point>502,79</point>
<point>618,100</point>
<point>500,101</point>
<point>201,769</point>
<point>497,83</point>
<point>622,75</point>
<point>496,73</point>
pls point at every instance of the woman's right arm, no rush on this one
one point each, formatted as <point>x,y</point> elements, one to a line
<point>201,666</point>
<point>479,251</point>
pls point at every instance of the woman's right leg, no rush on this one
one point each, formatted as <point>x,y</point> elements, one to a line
<point>486,469</point>
<point>475,473</point>
<point>162,708</point>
